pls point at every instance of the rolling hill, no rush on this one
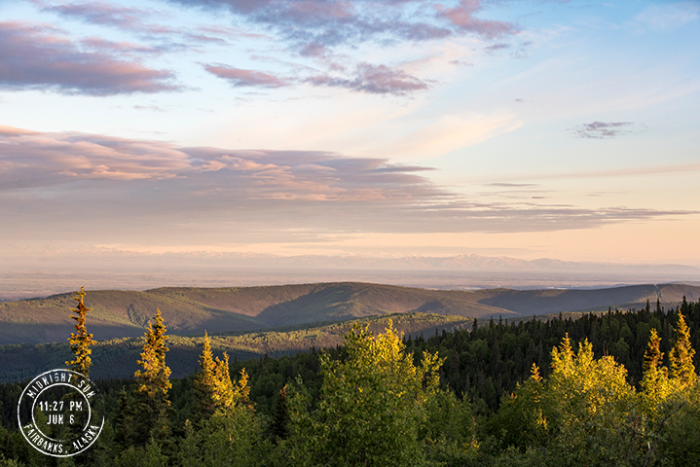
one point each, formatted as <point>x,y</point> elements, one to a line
<point>118,314</point>
<point>117,358</point>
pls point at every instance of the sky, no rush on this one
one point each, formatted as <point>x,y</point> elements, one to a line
<point>527,129</point>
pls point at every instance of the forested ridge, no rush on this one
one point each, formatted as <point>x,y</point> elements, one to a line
<point>116,358</point>
<point>190,310</point>
<point>600,389</point>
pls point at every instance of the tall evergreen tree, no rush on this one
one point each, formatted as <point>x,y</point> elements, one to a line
<point>205,386</point>
<point>223,387</point>
<point>681,356</point>
<point>80,340</point>
<point>655,382</point>
<point>153,383</point>
<point>228,395</point>
<point>280,421</point>
<point>653,357</point>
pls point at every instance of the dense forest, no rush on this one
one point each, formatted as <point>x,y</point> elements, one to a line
<point>618,388</point>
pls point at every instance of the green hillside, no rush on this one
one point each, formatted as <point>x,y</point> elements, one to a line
<point>189,310</point>
<point>192,310</point>
<point>116,358</point>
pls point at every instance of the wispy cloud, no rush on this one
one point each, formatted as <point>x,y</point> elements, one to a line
<point>512,185</point>
<point>333,22</point>
<point>127,49</point>
<point>41,57</point>
<point>106,14</point>
<point>238,77</point>
<point>496,47</point>
<point>154,108</point>
<point>367,78</point>
<point>460,63</point>
<point>669,15</point>
<point>134,19</point>
<point>602,130</point>
<point>374,79</point>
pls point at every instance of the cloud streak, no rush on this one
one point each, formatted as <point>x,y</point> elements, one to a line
<point>40,57</point>
<point>238,77</point>
<point>374,79</point>
<point>366,78</point>
<point>602,130</point>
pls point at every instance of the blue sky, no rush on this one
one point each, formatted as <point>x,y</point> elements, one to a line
<point>527,129</point>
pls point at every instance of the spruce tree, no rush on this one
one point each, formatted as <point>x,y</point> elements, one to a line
<point>653,357</point>
<point>681,356</point>
<point>655,382</point>
<point>153,383</point>
<point>226,394</point>
<point>205,385</point>
<point>241,392</point>
<point>223,387</point>
<point>280,421</point>
<point>80,340</point>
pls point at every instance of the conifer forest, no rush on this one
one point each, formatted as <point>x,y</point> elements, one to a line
<point>618,388</point>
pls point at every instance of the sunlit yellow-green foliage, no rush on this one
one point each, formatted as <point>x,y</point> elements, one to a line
<point>153,384</point>
<point>213,385</point>
<point>204,384</point>
<point>586,403</point>
<point>582,387</point>
<point>228,395</point>
<point>656,386</point>
<point>578,415</point>
<point>681,356</point>
<point>586,413</point>
<point>80,340</point>
<point>230,432</point>
<point>154,379</point>
<point>371,406</point>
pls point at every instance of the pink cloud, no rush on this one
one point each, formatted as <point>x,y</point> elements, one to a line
<point>463,17</point>
<point>37,57</point>
<point>239,77</point>
<point>28,155</point>
<point>125,186</point>
<point>103,13</point>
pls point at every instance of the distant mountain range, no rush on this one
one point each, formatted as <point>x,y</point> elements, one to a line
<point>189,310</point>
<point>93,258</point>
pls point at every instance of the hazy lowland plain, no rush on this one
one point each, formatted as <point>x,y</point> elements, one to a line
<point>65,271</point>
